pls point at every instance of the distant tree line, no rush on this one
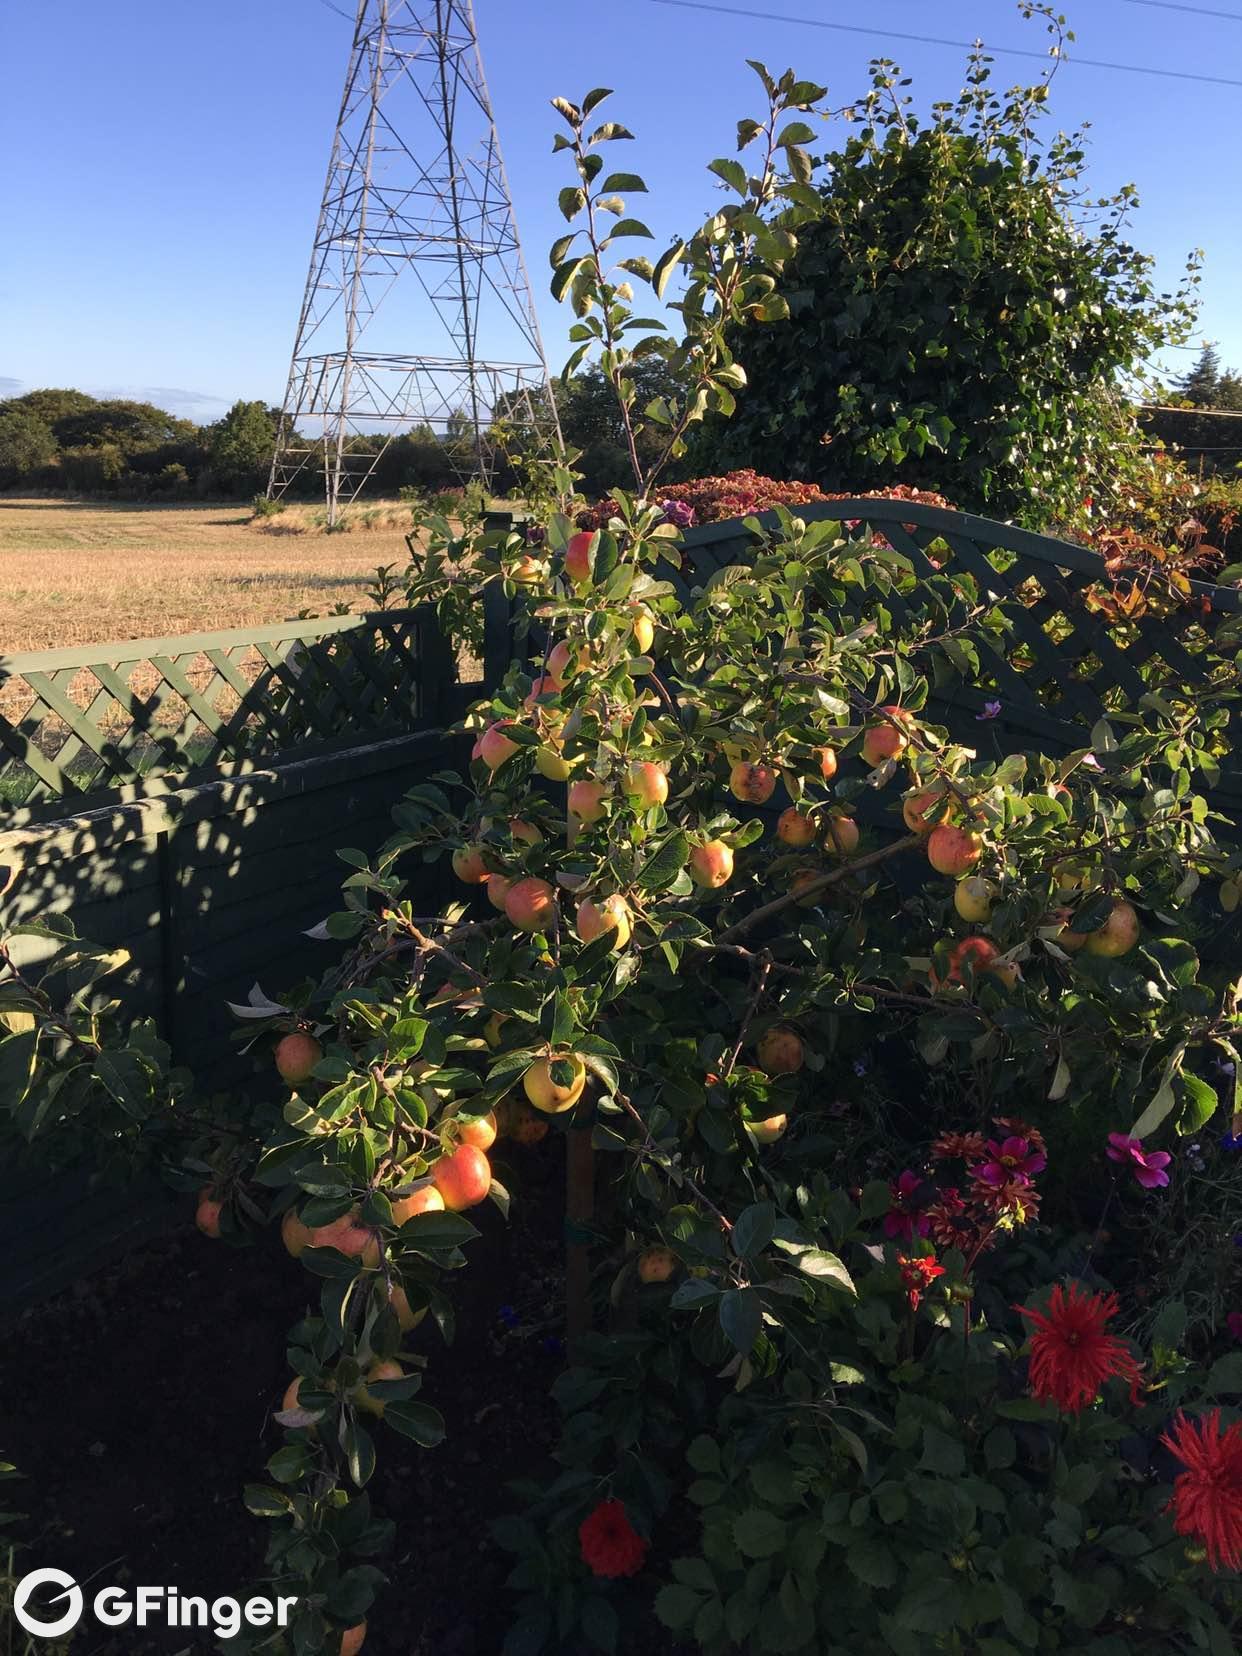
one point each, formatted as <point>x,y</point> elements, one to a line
<point>64,441</point>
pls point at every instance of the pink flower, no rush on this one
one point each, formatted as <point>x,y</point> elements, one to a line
<point>1148,1166</point>
<point>904,1219</point>
<point>1233,1322</point>
<point>1012,1159</point>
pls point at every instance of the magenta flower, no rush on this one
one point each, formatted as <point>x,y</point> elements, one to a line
<point>1148,1166</point>
<point>1233,1322</point>
<point>1011,1159</point>
<point>991,710</point>
<point>904,1219</point>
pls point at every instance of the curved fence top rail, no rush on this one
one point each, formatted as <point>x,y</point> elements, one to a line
<point>1066,658</point>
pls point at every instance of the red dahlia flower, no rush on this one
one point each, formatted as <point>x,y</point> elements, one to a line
<point>916,1276</point>
<point>968,1147</point>
<point>1010,1125</point>
<point>1207,1496</point>
<point>611,1546</point>
<point>1071,1353</point>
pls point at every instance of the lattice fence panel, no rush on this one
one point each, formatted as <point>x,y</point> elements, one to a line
<point>79,726</point>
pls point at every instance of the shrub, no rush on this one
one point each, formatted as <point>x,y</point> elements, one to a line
<point>955,321</point>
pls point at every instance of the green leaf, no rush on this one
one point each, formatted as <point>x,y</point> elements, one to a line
<point>676,1607</point>
<point>826,1267</point>
<point>759,1533</point>
<point>660,871</point>
<point>929,1607</point>
<point>754,1230</point>
<point>418,1421</point>
<point>571,201</point>
<point>623,181</point>
<point>872,1562</point>
<point>1225,1376</point>
<point>127,1078</point>
<point>665,266</point>
<point>600,1623</point>
<point>628,227</point>
<point>17,1064</point>
<point>1200,1104</point>
<point>741,1317</point>
<point>797,132</point>
<point>732,172</point>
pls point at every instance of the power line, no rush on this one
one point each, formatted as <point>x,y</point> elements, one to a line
<point>939,40</point>
<point>1175,5</point>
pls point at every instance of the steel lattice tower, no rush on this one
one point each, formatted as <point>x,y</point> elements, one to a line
<point>416,252</point>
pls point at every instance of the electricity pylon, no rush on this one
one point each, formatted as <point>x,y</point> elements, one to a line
<point>418,309</point>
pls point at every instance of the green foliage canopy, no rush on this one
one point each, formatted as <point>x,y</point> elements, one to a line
<point>961,316</point>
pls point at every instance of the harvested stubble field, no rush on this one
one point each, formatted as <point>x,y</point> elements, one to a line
<point>85,573</point>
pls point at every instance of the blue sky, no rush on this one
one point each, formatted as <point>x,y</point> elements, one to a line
<point>165,161</point>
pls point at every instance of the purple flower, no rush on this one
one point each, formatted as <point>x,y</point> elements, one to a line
<point>1233,1322</point>
<point>678,513</point>
<point>991,710</point>
<point>1013,1158</point>
<point>1148,1166</point>
<point>860,1066</point>
<point>508,1316</point>
<point>1223,1066</point>
<point>903,1219</point>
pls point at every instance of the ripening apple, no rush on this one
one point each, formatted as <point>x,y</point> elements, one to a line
<point>840,836</point>
<point>578,556</point>
<point>643,630</point>
<point>780,1051</point>
<point>972,898</point>
<point>468,865</point>
<point>498,889</point>
<point>551,762</point>
<point>207,1214</point>
<point>525,832</point>
<point>752,784</point>
<point>494,746</point>
<point>827,762</point>
<point>426,1199</point>
<point>527,1126</point>
<point>348,1236</point>
<point>656,1264</point>
<point>611,915</point>
<point>586,801</point>
<point>711,865</point>
<point>385,1369</point>
<point>481,1132</point>
<point>352,1639</point>
<point>795,828</point>
<point>978,952</point>
<point>545,685</point>
<point>885,741</point>
<point>531,904</point>
<point>915,808</point>
<point>491,1029</point>
<point>1118,934</point>
<point>768,1130</point>
<point>645,785</point>
<point>561,662</point>
<point>296,1056</point>
<point>463,1178</point>
<point>953,851</point>
<point>1068,939</point>
<point>294,1234</point>
<point>407,1319</point>
<point>549,1094</point>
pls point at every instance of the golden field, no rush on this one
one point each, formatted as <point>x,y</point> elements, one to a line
<point>77,572</point>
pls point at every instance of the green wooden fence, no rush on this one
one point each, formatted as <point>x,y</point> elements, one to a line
<point>1061,666</point>
<point>87,726</point>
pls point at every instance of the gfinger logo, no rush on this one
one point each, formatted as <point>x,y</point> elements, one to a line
<point>139,1607</point>
<point>70,1595</point>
